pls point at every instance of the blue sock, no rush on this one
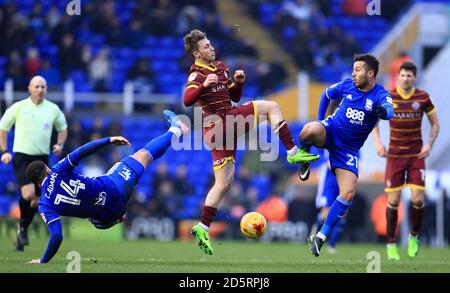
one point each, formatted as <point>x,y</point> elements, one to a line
<point>158,146</point>
<point>337,210</point>
<point>306,145</point>
<point>336,233</point>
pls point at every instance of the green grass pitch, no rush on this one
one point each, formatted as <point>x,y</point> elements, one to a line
<point>105,251</point>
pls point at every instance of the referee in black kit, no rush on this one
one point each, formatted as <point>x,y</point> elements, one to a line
<point>34,119</point>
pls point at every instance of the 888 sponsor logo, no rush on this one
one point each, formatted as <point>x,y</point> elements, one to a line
<point>355,115</point>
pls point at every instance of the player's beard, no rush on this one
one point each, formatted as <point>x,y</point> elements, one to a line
<point>362,84</point>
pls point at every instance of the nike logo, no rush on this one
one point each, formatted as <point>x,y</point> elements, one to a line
<point>304,174</point>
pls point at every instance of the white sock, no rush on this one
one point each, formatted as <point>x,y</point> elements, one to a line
<point>175,130</point>
<point>206,228</point>
<point>321,236</point>
<point>293,151</point>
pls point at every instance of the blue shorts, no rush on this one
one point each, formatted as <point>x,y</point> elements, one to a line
<point>340,156</point>
<point>120,182</point>
<point>328,188</point>
<point>125,175</point>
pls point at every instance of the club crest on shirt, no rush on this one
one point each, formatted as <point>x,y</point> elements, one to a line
<point>369,104</point>
<point>388,183</point>
<point>415,105</point>
<point>192,76</point>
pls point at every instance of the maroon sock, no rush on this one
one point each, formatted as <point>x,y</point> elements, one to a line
<point>208,214</point>
<point>285,135</point>
<point>391,219</point>
<point>416,219</point>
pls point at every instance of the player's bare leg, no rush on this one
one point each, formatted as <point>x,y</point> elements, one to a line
<point>28,205</point>
<point>313,133</point>
<point>391,220</point>
<point>223,180</point>
<point>271,111</point>
<point>347,184</point>
<point>417,200</point>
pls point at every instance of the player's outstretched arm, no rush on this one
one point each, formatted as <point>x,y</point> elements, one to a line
<point>56,237</point>
<point>85,150</point>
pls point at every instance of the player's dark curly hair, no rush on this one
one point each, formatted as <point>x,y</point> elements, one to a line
<point>371,62</point>
<point>191,40</point>
<point>36,172</point>
<point>409,66</point>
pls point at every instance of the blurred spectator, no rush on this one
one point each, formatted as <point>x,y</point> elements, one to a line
<point>53,17</point>
<point>301,48</point>
<point>394,69</point>
<point>271,75</point>
<point>135,36</point>
<point>142,76</point>
<point>274,209</point>
<point>189,17</point>
<point>86,57</point>
<point>36,21</point>
<point>161,175</point>
<point>15,71</point>
<point>349,48</point>
<point>165,203</point>
<point>69,55</point>
<point>33,62</point>
<point>298,9</point>
<point>182,185</point>
<point>100,70</point>
<point>94,166</point>
<point>354,7</point>
<point>163,17</point>
<point>302,207</point>
<point>50,74</point>
<point>378,216</point>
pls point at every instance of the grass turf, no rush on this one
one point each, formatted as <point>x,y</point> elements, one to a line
<point>105,251</point>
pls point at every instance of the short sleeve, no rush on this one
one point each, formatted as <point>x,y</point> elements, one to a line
<point>9,118</point>
<point>335,91</point>
<point>60,121</point>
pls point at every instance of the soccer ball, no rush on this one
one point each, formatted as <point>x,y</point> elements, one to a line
<point>253,225</point>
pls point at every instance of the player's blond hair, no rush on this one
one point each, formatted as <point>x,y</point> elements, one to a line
<point>191,40</point>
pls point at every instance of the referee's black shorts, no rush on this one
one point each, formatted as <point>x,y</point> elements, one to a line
<point>20,164</point>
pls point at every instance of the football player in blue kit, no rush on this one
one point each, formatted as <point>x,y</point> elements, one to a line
<point>102,199</point>
<point>364,102</point>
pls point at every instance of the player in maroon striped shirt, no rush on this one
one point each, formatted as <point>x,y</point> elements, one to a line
<point>406,155</point>
<point>212,88</point>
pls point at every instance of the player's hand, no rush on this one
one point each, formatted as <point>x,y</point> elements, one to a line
<point>239,76</point>
<point>119,141</point>
<point>57,149</point>
<point>34,261</point>
<point>381,150</point>
<point>425,152</point>
<point>6,158</point>
<point>210,80</point>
